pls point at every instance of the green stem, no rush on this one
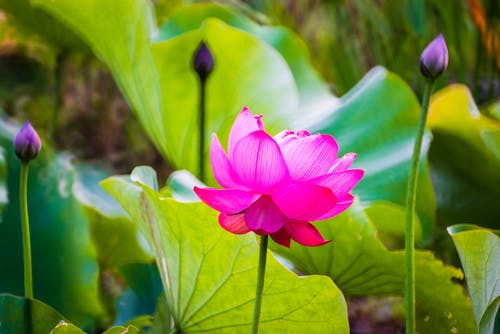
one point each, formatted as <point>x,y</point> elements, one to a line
<point>410,215</point>
<point>260,283</point>
<point>23,193</point>
<point>201,144</point>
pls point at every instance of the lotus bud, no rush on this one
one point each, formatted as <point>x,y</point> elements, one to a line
<point>27,143</point>
<point>434,59</point>
<point>203,61</point>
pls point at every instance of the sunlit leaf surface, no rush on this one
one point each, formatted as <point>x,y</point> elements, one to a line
<point>209,275</point>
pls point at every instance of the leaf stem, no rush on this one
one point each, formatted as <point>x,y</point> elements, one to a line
<point>410,215</point>
<point>260,283</point>
<point>202,125</point>
<point>23,201</point>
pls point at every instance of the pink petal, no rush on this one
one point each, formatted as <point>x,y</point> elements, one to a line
<point>340,183</point>
<point>304,233</point>
<point>309,156</point>
<point>264,217</point>
<point>286,136</point>
<point>244,124</point>
<point>223,171</point>
<point>303,201</point>
<point>281,237</point>
<point>343,163</point>
<point>343,204</point>
<point>258,162</point>
<point>228,201</point>
<point>234,223</point>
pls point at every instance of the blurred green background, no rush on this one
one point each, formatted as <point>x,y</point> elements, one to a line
<point>50,77</point>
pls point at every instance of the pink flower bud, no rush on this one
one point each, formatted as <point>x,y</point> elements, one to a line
<point>27,143</point>
<point>434,59</point>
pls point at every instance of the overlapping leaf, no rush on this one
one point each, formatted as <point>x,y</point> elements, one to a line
<point>465,158</point>
<point>22,315</point>
<point>361,265</point>
<point>209,274</point>
<point>115,237</point>
<point>479,251</point>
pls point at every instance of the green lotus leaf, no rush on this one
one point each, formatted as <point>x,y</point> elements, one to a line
<point>359,263</point>
<point>465,158</point>
<point>479,251</point>
<point>22,315</point>
<point>209,275</point>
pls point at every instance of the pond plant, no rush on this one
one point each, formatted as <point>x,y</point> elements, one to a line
<point>368,201</point>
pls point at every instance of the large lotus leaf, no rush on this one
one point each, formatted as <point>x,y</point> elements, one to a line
<point>119,33</point>
<point>115,237</point>
<point>209,275</point>
<point>479,251</point>
<point>378,119</point>
<point>465,159</point>
<point>360,264</point>
<point>22,315</point>
<point>314,95</point>
<point>65,271</point>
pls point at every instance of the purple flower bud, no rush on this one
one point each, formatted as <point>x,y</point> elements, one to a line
<point>27,143</point>
<point>434,59</point>
<point>203,61</point>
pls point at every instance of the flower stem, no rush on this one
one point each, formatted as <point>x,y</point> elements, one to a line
<point>23,193</point>
<point>201,144</point>
<point>410,214</point>
<point>260,283</point>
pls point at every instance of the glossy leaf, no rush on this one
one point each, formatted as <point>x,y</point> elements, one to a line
<point>65,271</point>
<point>479,251</point>
<point>115,237</point>
<point>209,274</point>
<point>22,315</point>
<point>360,264</point>
<point>465,158</point>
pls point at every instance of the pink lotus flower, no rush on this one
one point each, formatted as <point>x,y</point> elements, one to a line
<point>277,185</point>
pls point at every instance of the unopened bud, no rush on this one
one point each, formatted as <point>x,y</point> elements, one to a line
<point>27,143</point>
<point>203,61</point>
<point>434,59</point>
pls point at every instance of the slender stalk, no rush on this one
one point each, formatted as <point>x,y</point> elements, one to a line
<point>202,126</point>
<point>23,191</point>
<point>260,283</point>
<point>410,214</point>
